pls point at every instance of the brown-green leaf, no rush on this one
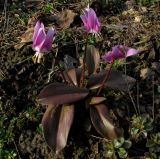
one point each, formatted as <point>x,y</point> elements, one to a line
<point>92,59</point>
<point>56,123</point>
<point>116,80</point>
<point>102,122</point>
<point>58,93</point>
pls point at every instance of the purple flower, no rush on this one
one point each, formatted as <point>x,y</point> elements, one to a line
<point>118,52</point>
<point>42,42</point>
<point>90,20</point>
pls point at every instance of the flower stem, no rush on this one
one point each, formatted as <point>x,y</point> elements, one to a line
<point>84,63</point>
<point>105,79</point>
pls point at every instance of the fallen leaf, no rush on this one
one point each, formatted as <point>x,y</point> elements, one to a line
<point>65,18</point>
<point>146,72</point>
<point>25,38</point>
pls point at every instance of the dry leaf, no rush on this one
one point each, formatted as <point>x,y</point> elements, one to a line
<point>25,38</point>
<point>65,18</point>
<point>146,72</point>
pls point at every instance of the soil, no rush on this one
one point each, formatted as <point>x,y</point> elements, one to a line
<point>21,80</point>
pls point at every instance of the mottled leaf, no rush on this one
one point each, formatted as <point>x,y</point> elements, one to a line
<point>71,76</point>
<point>102,122</point>
<point>75,80</point>
<point>78,73</point>
<point>97,100</point>
<point>92,59</point>
<point>56,123</point>
<point>116,80</point>
<point>58,93</point>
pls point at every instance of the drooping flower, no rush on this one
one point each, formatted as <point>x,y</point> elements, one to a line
<point>118,52</point>
<point>42,42</point>
<point>91,21</point>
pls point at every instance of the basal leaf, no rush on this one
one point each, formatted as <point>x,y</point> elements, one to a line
<point>71,76</point>
<point>116,80</point>
<point>102,122</point>
<point>92,59</point>
<point>56,123</point>
<point>57,93</point>
<point>97,100</point>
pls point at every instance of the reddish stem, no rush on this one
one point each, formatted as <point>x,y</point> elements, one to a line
<point>84,63</point>
<point>105,79</point>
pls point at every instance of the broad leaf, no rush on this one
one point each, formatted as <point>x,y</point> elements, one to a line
<point>97,100</point>
<point>116,80</point>
<point>78,73</point>
<point>71,76</point>
<point>57,93</point>
<point>102,122</point>
<point>56,123</point>
<point>92,59</point>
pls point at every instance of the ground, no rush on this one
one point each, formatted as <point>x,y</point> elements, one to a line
<point>133,23</point>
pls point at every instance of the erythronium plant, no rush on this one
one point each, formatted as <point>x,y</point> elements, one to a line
<point>42,42</point>
<point>61,100</point>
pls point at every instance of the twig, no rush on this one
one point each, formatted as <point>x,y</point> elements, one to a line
<point>138,98</point>
<point>129,92</point>
<point>5,15</point>
<point>153,97</point>
<point>16,149</point>
<point>52,69</point>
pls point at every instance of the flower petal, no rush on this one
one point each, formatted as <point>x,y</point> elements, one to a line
<point>108,56</point>
<point>47,44</point>
<point>90,20</point>
<point>118,52</point>
<point>41,35</point>
<point>132,52</point>
<point>36,29</point>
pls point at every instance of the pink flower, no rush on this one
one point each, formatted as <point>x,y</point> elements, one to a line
<point>42,42</point>
<point>118,52</point>
<point>90,20</point>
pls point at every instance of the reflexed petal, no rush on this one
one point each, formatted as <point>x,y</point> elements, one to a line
<point>118,52</point>
<point>108,56</point>
<point>85,21</point>
<point>132,52</point>
<point>47,44</point>
<point>39,39</point>
<point>90,20</point>
<point>36,29</point>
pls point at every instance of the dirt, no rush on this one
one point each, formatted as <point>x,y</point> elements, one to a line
<point>21,81</point>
